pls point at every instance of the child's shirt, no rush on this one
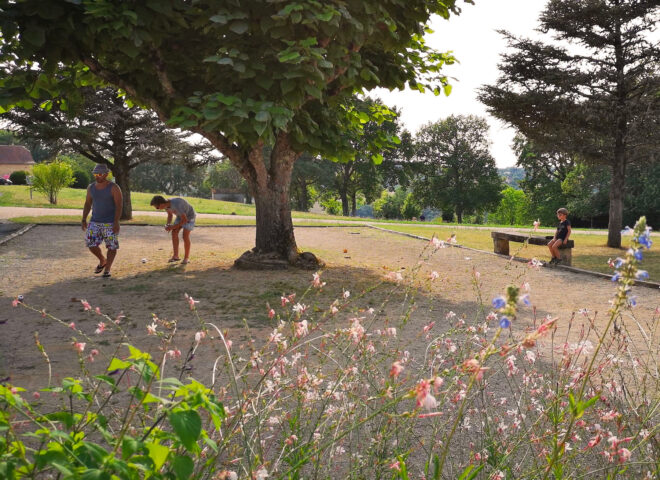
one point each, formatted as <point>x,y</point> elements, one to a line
<point>562,229</point>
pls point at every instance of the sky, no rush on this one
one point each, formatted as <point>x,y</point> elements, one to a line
<point>475,43</point>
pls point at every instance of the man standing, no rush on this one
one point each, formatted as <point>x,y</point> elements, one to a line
<point>105,200</point>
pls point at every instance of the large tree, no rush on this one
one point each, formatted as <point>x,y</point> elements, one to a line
<point>105,129</point>
<point>457,171</point>
<point>242,74</point>
<point>589,90</point>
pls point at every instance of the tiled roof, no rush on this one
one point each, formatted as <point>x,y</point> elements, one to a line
<point>15,155</point>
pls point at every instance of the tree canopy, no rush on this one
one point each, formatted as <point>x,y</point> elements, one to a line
<point>241,74</point>
<point>457,170</point>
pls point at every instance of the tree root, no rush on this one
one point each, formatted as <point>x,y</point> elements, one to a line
<point>252,260</point>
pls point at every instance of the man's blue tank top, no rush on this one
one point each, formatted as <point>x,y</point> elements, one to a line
<point>103,205</point>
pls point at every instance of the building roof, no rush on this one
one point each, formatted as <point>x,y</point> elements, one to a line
<point>15,155</point>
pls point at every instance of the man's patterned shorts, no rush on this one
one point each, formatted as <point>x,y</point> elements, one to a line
<point>98,232</point>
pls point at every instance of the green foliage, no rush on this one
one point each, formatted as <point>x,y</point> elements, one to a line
<point>457,171</point>
<point>331,205</point>
<point>410,208</point>
<point>513,208</point>
<point>224,176</point>
<point>390,204</point>
<point>81,179</point>
<point>51,178</point>
<point>19,177</point>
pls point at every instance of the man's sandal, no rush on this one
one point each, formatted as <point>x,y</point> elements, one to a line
<point>173,259</point>
<point>99,268</point>
<point>106,275</point>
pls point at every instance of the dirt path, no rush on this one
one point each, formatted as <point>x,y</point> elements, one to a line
<point>50,266</point>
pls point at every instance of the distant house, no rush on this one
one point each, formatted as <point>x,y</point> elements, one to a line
<point>228,195</point>
<point>13,158</point>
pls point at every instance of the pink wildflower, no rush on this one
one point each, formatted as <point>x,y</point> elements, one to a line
<point>473,366</point>
<point>100,328</point>
<point>271,313</point>
<point>36,395</point>
<point>437,243</point>
<point>333,309</point>
<point>316,281</point>
<point>428,327</point>
<point>191,301</point>
<point>151,329</point>
<point>595,440</point>
<point>356,331</point>
<point>437,384</point>
<point>535,263</point>
<point>396,369</point>
<point>346,294</point>
<point>199,336</point>
<point>434,275</point>
<point>98,311</point>
<point>80,346</point>
<point>423,395</point>
<point>624,455</point>
<point>15,303</point>
<point>94,352</point>
<point>284,300</point>
<point>72,326</point>
<point>86,305</point>
<point>174,353</point>
<point>395,466</point>
<point>394,277</point>
<point>301,328</point>
<point>300,308</point>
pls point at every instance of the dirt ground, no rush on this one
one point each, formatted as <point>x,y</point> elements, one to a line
<point>52,269</point>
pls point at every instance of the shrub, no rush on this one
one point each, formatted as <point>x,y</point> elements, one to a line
<point>51,178</point>
<point>317,400</point>
<point>19,177</point>
<point>81,179</point>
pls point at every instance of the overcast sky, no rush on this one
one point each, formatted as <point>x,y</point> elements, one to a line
<point>473,38</point>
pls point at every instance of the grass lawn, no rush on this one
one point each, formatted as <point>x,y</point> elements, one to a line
<point>590,252</point>
<point>160,220</point>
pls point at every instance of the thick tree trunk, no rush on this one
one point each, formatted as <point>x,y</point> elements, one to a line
<point>459,216</point>
<point>275,244</point>
<point>344,202</point>
<point>120,171</point>
<point>616,203</point>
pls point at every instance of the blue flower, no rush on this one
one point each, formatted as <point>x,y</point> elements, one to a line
<point>632,301</point>
<point>616,277</point>
<point>499,302</point>
<point>638,255</point>
<point>618,262</point>
<point>645,240</point>
<point>642,275</point>
<point>626,230</point>
<point>505,322</point>
<point>525,300</point>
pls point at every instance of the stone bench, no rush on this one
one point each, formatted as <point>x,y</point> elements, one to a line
<point>501,244</point>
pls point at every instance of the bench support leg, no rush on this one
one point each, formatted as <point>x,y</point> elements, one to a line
<point>501,246</point>
<point>566,256</point>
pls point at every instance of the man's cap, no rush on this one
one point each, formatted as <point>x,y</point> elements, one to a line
<point>101,168</point>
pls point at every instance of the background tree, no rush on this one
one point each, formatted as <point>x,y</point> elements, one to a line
<point>310,176</point>
<point>361,174</point>
<point>241,74</point>
<point>597,100</point>
<point>223,176</point>
<point>51,178</point>
<point>105,129</point>
<point>171,178</point>
<point>390,204</point>
<point>457,171</point>
<point>586,193</point>
<point>513,208</point>
<point>544,174</point>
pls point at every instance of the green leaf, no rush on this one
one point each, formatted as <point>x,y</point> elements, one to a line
<point>116,364</point>
<point>183,466</point>
<point>220,18</point>
<point>447,90</point>
<point>287,56</point>
<point>187,425</point>
<point>262,116</point>
<point>470,472</point>
<point>157,453</point>
<point>239,27</point>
